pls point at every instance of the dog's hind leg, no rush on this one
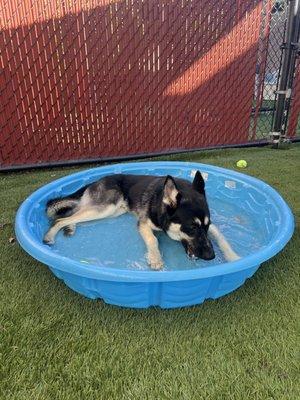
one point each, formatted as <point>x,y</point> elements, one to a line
<point>153,255</point>
<point>84,215</point>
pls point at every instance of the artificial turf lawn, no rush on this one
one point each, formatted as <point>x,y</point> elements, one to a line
<point>55,344</point>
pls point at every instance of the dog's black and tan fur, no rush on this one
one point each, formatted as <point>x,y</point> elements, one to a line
<point>172,205</point>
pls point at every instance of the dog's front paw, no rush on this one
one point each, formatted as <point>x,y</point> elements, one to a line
<point>155,261</point>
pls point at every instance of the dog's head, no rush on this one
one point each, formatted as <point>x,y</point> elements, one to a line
<point>188,216</point>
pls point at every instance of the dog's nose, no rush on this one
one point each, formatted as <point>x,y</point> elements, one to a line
<point>208,255</point>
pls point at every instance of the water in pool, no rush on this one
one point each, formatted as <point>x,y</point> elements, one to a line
<point>116,242</point>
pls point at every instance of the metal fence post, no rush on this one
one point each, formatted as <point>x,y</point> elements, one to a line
<point>290,49</point>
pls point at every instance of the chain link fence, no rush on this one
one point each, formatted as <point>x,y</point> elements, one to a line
<point>268,68</point>
<point>100,79</point>
<point>293,128</point>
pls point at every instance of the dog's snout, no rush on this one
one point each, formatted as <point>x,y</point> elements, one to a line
<point>205,254</point>
<point>198,249</point>
<point>208,251</point>
<point>208,255</point>
<point>192,255</point>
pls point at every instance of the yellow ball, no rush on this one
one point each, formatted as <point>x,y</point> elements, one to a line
<point>241,164</point>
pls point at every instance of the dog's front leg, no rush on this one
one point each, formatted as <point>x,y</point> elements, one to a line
<point>153,255</point>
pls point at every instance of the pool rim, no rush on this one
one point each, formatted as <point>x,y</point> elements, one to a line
<point>43,253</point>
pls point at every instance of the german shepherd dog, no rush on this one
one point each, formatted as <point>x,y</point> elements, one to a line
<point>175,206</point>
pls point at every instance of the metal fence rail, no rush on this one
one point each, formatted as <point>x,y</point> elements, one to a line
<point>89,79</point>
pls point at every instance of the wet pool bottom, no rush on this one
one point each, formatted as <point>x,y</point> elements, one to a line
<point>102,243</point>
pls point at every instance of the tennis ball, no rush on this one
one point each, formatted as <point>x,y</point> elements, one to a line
<point>241,164</point>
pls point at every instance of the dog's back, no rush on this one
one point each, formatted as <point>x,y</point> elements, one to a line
<point>106,191</point>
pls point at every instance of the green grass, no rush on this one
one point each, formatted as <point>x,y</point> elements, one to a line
<point>55,344</point>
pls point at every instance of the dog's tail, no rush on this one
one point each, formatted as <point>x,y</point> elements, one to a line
<point>61,207</point>
<point>64,206</point>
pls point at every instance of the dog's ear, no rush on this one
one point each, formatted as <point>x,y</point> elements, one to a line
<point>198,183</point>
<point>171,195</point>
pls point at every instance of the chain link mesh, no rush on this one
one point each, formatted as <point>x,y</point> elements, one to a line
<point>294,116</point>
<point>268,68</point>
<point>84,79</point>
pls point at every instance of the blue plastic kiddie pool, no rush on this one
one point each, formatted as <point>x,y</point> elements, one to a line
<point>106,259</point>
